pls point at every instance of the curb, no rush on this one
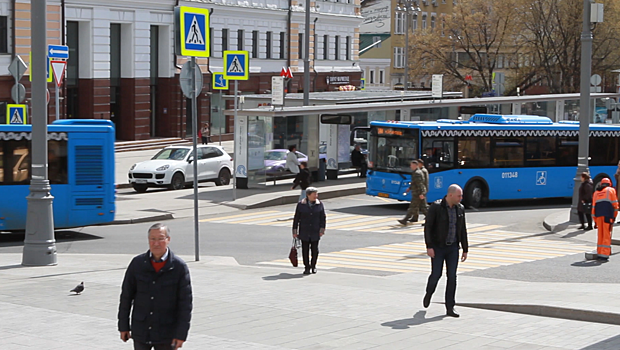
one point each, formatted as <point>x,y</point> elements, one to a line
<point>550,311</point>
<point>555,227</point>
<point>292,198</point>
<point>161,217</point>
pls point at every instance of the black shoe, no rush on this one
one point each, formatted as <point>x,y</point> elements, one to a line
<point>588,228</point>
<point>581,227</point>
<point>306,272</point>
<point>313,270</point>
<point>427,300</point>
<point>452,313</point>
<point>403,222</point>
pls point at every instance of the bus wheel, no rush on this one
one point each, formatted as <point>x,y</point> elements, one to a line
<point>474,194</point>
<point>140,188</point>
<point>178,182</point>
<point>223,178</point>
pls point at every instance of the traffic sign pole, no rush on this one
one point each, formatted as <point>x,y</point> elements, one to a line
<point>195,165</point>
<point>235,146</point>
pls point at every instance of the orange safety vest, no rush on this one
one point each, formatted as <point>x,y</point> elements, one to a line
<point>605,204</point>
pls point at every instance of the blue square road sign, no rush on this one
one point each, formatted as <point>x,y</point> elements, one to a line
<point>236,65</point>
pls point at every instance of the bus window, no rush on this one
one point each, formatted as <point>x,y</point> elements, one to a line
<point>540,151</point>
<point>57,162</point>
<point>603,150</point>
<point>438,153</point>
<point>508,152</point>
<point>474,152</point>
<point>394,154</point>
<point>15,160</point>
<point>567,150</point>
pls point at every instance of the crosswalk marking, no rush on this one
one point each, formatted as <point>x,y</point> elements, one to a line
<point>222,219</point>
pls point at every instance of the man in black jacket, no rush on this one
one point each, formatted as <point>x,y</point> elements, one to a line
<point>445,229</point>
<point>309,227</point>
<point>358,160</point>
<point>157,284</point>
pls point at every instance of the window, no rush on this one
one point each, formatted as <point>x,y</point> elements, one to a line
<point>211,35</point>
<point>399,57</point>
<point>508,152</point>
<point>255,39</point>
<point>348,49</point>
<point>474,152</point>
<point>325,47</point>
<point>224,40</point>
<point>371,75</point>
<point>374,40</point>
<point>500,61</point>
<point>381,76</point>
<point>240,39</point>
<point>606,150</point>
<point>424,21</point>
<point>439,153</point>
<point>301,45</point>
<point>15,162</point>
<point>282,45</point>
<point>337,47</point>
<point>399,26</point>
<point>393,153</point>
<point>432,22</point>
<point>567,150</point>
<point>540,151</point>
<point>269,44</point>
<point>414,23</point>
<point>4,34</point>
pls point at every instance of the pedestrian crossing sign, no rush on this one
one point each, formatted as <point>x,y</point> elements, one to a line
<point>219,82</point>
<point>236,65</point>
<point>193,27</point>
<point>15,114</point>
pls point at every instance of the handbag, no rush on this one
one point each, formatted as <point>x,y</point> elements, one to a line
<point>292,256</point>
<point>587,207</point>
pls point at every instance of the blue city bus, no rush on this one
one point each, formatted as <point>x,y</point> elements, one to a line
<point>81,173</point>
<point>492,157</point>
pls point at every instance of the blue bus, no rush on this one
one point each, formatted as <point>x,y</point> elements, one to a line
<point>81,173</point>
<point>492,157</point>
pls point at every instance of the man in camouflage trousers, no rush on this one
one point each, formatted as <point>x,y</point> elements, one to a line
<point>418,195</point>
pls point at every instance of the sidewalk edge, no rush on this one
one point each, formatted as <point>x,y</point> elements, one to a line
<point>143,219</point>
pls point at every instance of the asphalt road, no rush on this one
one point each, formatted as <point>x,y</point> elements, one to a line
<point>250,240</point>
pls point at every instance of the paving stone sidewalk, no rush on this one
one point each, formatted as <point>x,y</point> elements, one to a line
<point>272,308</point>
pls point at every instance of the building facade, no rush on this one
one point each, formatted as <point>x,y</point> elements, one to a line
<point>122,65</point>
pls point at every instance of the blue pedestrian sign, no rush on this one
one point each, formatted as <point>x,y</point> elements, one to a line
<point>193,27</point>
<point>219,82</point>
<point>236,65</point>
<point>58,51</point>
<point>16,114</point>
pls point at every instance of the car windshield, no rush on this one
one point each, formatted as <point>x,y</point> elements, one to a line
<point>275,155</point>
<point>171,153</point>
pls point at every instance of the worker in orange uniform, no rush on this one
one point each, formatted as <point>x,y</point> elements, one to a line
<point>604,211</point>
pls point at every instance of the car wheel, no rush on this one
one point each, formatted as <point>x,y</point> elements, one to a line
<point>474,194</point>
<point>223,177</point>
<point>140,188</point>
<point>178,182</point>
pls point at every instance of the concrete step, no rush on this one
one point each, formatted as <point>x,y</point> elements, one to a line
<point>127,146</point>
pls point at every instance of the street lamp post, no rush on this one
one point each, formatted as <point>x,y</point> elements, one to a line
<point>409,8</point>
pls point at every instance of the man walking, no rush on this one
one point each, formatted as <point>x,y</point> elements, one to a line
<point>604,211</point>
<point>418,195</point>
<point>309,226</point>
<point>445,229</point>
<point>424,173</point>
<point>157,286</point>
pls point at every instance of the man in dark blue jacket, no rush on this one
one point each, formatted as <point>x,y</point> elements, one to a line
<point>157,284</point>
<point>309,227</point>
<point>445,229</point>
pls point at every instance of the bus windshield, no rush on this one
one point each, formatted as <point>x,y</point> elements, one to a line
<point>393,153</point>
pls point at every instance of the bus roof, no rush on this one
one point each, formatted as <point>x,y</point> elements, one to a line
<point>76,125</point>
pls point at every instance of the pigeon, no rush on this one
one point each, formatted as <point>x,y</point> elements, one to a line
<point>78,289</point>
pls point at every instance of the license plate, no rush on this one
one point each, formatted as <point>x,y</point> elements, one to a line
<point>384,195</point>
<point>140,181</point>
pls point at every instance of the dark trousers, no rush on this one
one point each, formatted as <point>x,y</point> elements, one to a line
<point>587,215</point>
<point>306,246</point>
<point>143,346</point>
<point>449,254</point>
<point>205,139</point>
<point>362,168</point>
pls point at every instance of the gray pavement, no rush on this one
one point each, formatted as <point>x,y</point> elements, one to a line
<point>273,308</point>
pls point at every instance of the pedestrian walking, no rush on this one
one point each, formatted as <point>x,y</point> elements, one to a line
<point>584,208</point>
<point>309,227</point>
<point>445,229</point>
<point>417,187</point>
<point>617,177</point>
<point>424,172</point>
<point>204,133</point>
<point>358,160</point>
<point>292,163</point>
<point>604,211</point>
<point>157,287</point>
<point>302,179</point>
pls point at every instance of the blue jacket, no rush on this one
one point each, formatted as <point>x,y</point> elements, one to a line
<point>162,301</point>
<point>309,220</point>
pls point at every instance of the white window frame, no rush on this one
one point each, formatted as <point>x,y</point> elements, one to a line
<point>375,39</point>
<point>424,20</point>
<point>500,61</point>
<point>399,23</point>
<point>399,57</point>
